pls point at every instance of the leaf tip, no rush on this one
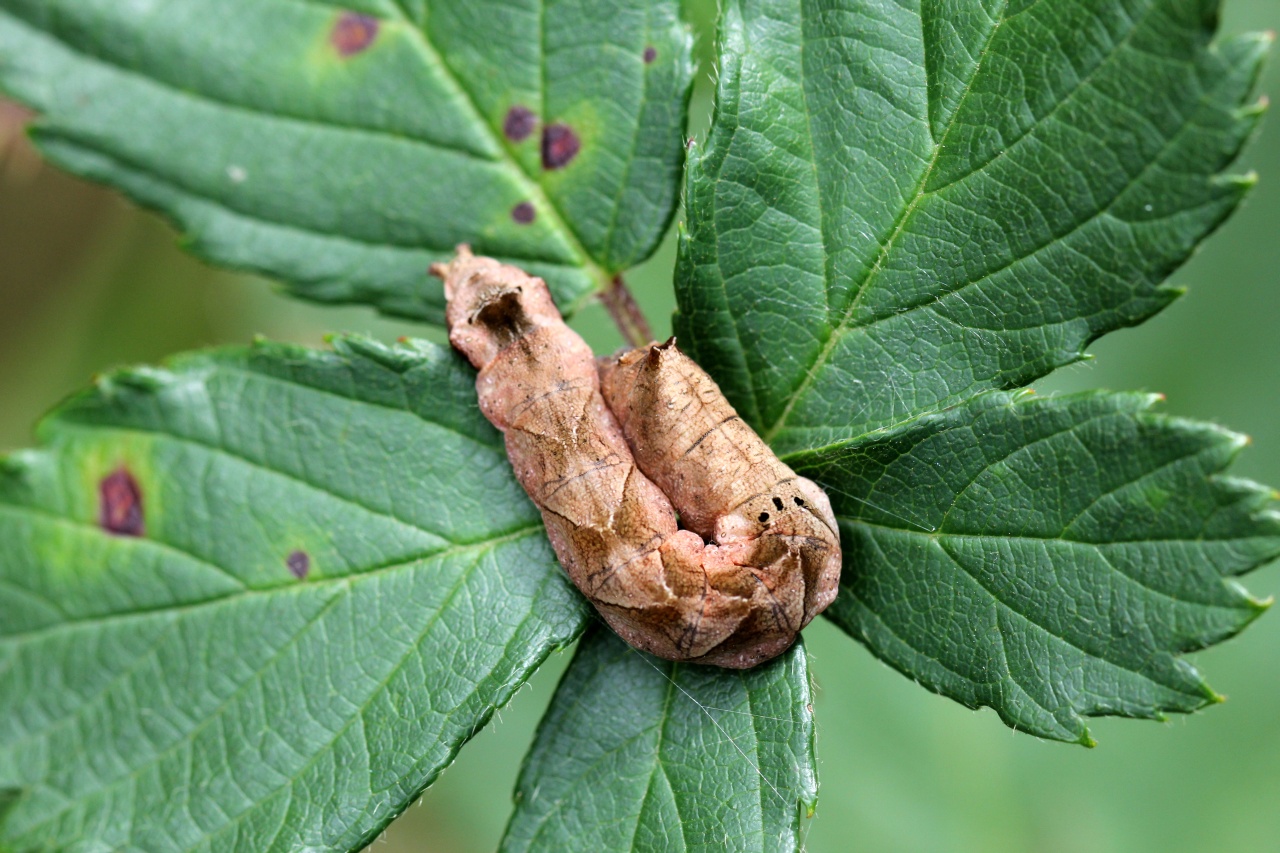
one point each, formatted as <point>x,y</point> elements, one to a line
<point>1249,50</point>
<point>1172,292</point>
<point>144,379</point>
<point>1256,109</point>
<point>1238,440</point>
<point>1240,183</point>
<point>1023,395</point>
<point>8,799</point>
<point>398,359</point>
<point>16,465</point>
<point>1086,740</point>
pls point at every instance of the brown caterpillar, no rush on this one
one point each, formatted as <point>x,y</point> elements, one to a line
<point>759,555</point>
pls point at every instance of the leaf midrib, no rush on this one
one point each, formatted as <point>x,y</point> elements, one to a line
<point>977,686</point>
<point>1212,445</point>
<point>835,332</point>
<point>48,134</point>
<point>219,450</point>
<point>141,542</point>
<point>376,690</point>
<point>1100,548</point>
<point>430,56</point>
<point>287,586</point>
<point>534,186</point>
<point>255,677</point>
<point>88,54</point>
<point>1009,608</point>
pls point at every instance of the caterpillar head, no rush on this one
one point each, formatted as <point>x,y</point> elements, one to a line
<point>490,304</point>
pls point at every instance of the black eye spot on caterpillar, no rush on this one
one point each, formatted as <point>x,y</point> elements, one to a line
<point>799,501</point>
<point>764,516</point>
<point>777,504</point>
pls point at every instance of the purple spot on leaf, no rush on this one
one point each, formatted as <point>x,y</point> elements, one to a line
<point>353,33</point>
<point>523,213</point>
<point>120,504</point>
<point>519,123</point>
<point>299,564</point>
<point>650,54</point>
<point>559,146</point>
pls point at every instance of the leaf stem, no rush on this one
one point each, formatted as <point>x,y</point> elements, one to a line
<point>626,313</point>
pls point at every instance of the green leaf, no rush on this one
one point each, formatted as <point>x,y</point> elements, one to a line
<point>901,205</point>
<point>1049,558</point>
<point>259,599</point>
<point>8,797</point>
<point>638,753</point>
<point>342,147</point>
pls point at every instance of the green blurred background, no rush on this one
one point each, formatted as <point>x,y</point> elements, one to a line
<point>88,282</point>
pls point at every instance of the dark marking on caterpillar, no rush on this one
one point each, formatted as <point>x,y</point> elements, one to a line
<point>708,432</point>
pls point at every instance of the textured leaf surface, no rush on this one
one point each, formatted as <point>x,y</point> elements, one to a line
<point>342,147</point>
<point>1049,558</point>
<point>257,601</point>
<point>904,204</point>
<point>637,753</point>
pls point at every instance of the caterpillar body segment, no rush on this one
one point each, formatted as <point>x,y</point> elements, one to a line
<point>609,474</point>
<point>727,484</point>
